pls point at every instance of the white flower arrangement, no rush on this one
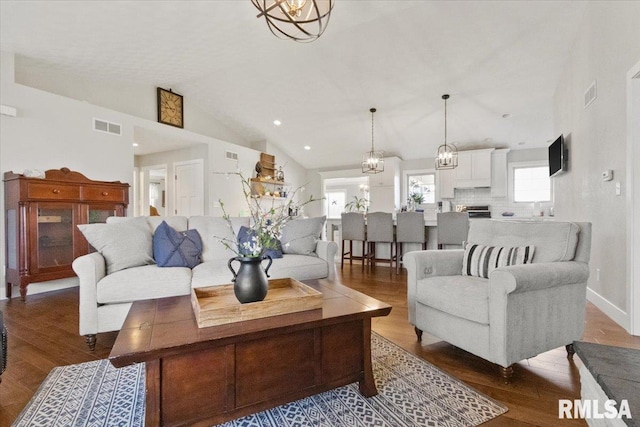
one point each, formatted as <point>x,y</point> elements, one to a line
<point>267,220</point>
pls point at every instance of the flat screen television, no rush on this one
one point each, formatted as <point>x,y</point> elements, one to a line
<point>557,157</point>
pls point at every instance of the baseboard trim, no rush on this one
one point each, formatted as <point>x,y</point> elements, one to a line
<point>607,307</point>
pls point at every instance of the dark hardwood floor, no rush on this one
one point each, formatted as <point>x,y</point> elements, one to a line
<point>43,333</point>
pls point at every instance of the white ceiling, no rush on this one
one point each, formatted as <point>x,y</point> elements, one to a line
<point>493,57</point>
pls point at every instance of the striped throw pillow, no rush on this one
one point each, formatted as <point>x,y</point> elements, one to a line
<point>480,260</point>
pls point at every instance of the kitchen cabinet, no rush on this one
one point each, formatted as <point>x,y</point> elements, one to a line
<point>446,183</point>
<point>41,218</point>
<point>384,187</point>
<point>474,168</point>
<point>499,173</point>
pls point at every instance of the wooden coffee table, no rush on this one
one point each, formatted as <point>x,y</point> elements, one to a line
<point>205,376</point>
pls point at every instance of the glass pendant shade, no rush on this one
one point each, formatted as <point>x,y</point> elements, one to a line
<point>372,161</point>
<point>447,155</point>
<point>299,20</point>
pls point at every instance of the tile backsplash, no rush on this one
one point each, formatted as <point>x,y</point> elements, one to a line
<point>482,196</point>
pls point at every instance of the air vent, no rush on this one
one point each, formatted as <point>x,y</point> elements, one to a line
<point>100,125</point>
<point>231,155</point>
<point>590,94</point>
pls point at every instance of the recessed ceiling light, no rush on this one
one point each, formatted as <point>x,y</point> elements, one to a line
<point>306,147</point>
<point>506,116</point>
<point>135,144</point>
<point>277,122</point>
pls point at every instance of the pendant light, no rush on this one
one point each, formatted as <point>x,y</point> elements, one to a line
<point>372,161</point>
<point>447,155</point>
<point>299,20</point>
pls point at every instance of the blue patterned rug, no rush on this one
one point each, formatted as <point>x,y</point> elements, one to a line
<point>412,392</point>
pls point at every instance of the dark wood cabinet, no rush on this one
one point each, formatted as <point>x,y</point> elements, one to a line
<point>41,218</point>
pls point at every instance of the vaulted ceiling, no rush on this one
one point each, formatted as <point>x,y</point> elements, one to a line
<point>494,58</point>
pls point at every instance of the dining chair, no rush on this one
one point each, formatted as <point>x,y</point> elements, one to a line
<point>380,231</point>
<point>353,228</point>
<point>410,228</point>
<point>453,228</point>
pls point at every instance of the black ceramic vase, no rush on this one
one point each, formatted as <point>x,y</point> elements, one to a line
<point>250,283</point>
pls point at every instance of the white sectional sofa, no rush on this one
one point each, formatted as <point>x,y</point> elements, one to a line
<point>105,298</point>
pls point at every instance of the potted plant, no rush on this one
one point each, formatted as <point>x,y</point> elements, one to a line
<point>358,204</point>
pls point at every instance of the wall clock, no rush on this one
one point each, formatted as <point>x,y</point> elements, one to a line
<point>170,108</point>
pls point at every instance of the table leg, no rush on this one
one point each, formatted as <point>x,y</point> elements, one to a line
<point>368,383</point>
<point>152,414</point>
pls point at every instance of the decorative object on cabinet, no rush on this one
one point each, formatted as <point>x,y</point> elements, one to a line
<point>373,161</point>
<point>41,216</point>
<point>298,20</point>
<point>170,108</point>
<point>447,155</point>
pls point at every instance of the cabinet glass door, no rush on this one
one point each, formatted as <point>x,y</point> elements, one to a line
<point>55,235</point>
<point>99,215</point>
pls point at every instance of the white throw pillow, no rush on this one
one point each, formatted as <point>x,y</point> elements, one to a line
<point>123,245</point>
<point>300,236</point>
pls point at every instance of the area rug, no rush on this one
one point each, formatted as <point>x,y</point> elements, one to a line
<point>412,392</point>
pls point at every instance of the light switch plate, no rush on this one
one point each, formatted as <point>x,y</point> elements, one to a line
<point>618,188</point>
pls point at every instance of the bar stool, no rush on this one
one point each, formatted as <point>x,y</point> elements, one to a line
<point>353,228</point>
<point>409,229</point>
<point>380,230</point>
<point>453,228</point>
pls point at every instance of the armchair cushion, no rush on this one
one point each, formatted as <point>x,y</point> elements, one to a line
<point>480,260</point>
<point>465,297</point>
<point>554,241</point>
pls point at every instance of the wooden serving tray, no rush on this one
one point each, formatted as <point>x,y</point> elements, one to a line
<point>218,305</point>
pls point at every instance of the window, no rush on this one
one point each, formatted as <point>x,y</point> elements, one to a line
<point>531,183</point>
<point>335,203</point>
<point>424,185</point>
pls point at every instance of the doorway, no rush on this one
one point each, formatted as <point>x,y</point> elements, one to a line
<point>153,190</point>
<point>189,188</point>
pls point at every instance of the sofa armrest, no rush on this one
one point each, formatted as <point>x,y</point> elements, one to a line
<point>529,277</point>
<point>90,269</point>
<point>429,263</point>
<point>327,251</point>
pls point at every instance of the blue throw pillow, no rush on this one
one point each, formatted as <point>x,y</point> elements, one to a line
<point>173,248</point>
<point>244,236</point>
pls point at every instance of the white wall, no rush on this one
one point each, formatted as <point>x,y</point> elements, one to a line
<point>134,99</point>
<point>52,131</point>
<point>606,47</point>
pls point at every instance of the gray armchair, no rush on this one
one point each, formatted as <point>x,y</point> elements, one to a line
<point>519,311</point>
